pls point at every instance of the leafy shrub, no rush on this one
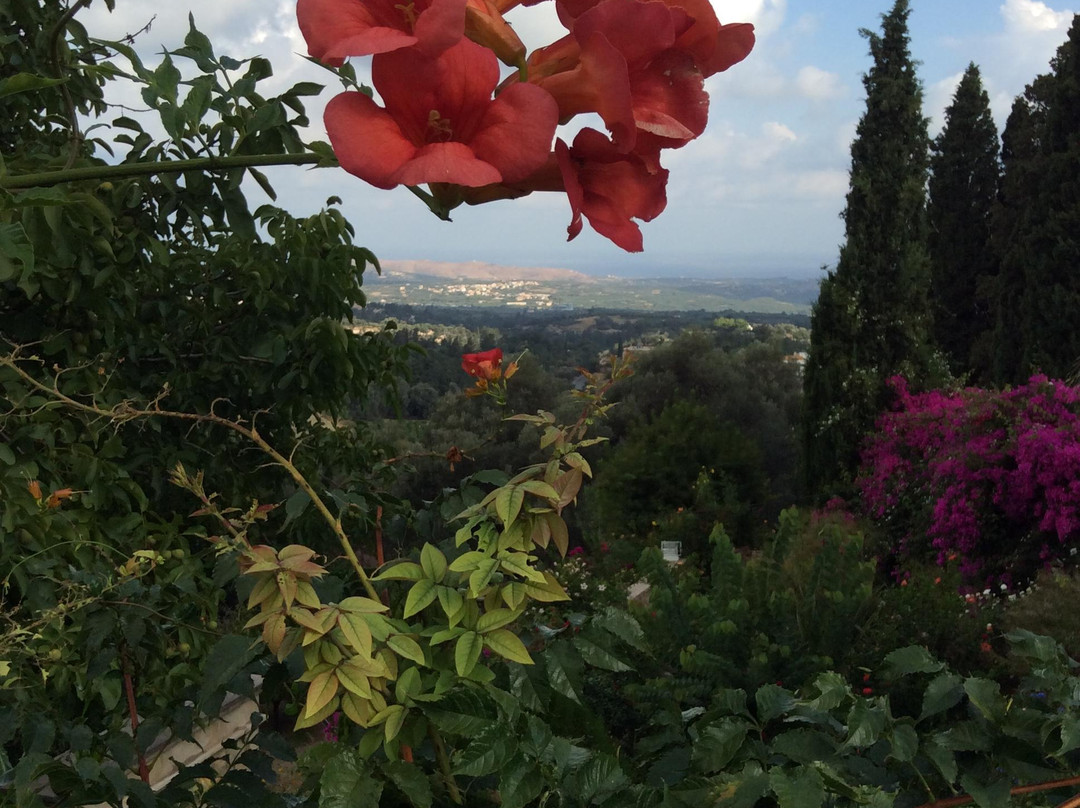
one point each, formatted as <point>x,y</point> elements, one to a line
<point>1048,607</point>
<point>781,614</point>
<point>993,477</point>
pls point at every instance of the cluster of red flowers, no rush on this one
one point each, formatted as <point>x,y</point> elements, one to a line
<point>448,122</point>
<point>487,368</point>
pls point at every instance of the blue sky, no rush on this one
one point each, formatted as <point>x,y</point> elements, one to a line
<point>759,193</point>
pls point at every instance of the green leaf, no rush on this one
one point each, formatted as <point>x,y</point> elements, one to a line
<point>803,788</point>
<point>718,744</point>
<point>913,659</point>
<point>986,696</point>
<point>772,701</point>
<point>296,505</point>
<point>943,759</point>
<point>321,691</point>
<point>407,685</point>
<point>943,692</point>
<point>26,82</point>
<point>865,722</point>
<point>469,561</point>
<point>225,660</point>
<point>598,656</point>
<point>400,571</point>
<point>421,595</point>
<point>987,795</point>
<point>905,742</point>
<point>482,575</point>
<point>410,781</point>
<point>407,647</point>
<point>507,645</point>
<point>395,718</point>
<point>598,778</point>
<point>832,691</point>
<point>452,603</point>
<point>433,562</point>
<point>508,504</point>
<point>346,783</point>
<point>496,618</point>
<point>487,752</point>
<point>620,623</point>
<point>467,652</point>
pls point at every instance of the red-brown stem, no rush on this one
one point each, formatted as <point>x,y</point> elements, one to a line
<point>967,799</point>
<point>129,688</point>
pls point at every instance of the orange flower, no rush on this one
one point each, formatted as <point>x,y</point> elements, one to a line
<point>34,487</point>
<point>486,365</point>
<point>56,497</point>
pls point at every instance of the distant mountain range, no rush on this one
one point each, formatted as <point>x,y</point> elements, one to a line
<point>476,284</point>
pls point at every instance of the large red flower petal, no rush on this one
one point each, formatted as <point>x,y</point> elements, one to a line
<point>638,30</point>
<point>453,163</point>
<point>600,83</point>
<point>367,141</point>
<point>516,131</point>
<point>610,188</point>
<point>337,29</point>
<point>669,97</point>
<point>449,93</point>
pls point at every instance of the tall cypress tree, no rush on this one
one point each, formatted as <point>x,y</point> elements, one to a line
<point>1038,289</point>
<point>965,172</point>
<point>870,321</point>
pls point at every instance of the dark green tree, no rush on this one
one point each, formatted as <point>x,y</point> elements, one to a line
<point>965,171</point>
<point>1038,290</point>
<point>878,305</point>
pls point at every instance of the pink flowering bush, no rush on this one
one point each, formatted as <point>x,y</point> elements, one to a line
<point>989,478</point>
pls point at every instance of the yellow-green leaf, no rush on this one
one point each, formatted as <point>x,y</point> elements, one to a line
<point>357,709</point>
<point>433,563</point>
<point>467,652</point>
<point>451,602</point>
<point>305,595</point>
<point>541,489</point>
<point>264,589</point>
<point>401,571</point>
<point>507,645</point>
<point>468,561</point>
<point>559,534</point>
<point>508,504</point>
<point>497,618</point>
<point>354,681</point>
<point>518,563</point>
<point>481,575</point>
<point>445,634</point>
<point>356,632</point>
<point>359,605</point>
<point>407,647</point>
<point>574,460</point>
<point>513,594</point>
<point>421,595</point>
<point>305,721</point>
<point>322,689</point>
<point>394,721</point>
<point>548,592</point>
<point>407,684</point>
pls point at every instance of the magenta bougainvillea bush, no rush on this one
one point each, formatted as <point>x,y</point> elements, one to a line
<point>990,479</point>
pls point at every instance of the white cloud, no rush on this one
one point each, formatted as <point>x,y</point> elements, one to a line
<point>817,84</point>
<point>766,15</point>
<point>1029,16</point>
<point>938,96</point>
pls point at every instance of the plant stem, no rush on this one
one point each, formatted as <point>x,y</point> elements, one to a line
<point>444,765</point>
<point>109,172</point>
<point>124,411</point>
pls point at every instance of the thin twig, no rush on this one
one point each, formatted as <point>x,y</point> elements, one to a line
<point>124,411</point>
